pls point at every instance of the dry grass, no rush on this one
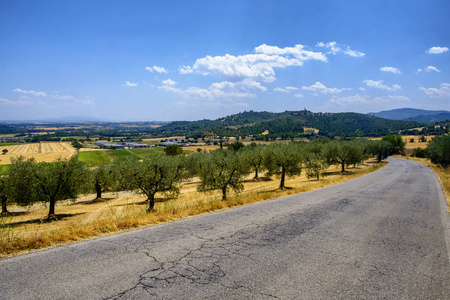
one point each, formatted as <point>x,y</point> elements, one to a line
<point>442,173</point>
<point>28,230</point>
<point>44,151</point>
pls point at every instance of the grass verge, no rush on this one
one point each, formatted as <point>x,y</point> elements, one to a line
<point>27,231</point>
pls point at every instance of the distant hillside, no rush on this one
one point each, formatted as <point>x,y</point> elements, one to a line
<point>287,125</point>
<point>430,118</point>
<point>410,114</point>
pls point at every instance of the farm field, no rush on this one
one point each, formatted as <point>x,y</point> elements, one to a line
<point>121,211</point>
<point>416,144</point>
<point>44,151</point>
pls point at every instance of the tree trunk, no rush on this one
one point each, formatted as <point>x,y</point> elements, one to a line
<point>343,167</point>
<point>98,189</point>
<point>283,175</point>
<point>224,193</point>
<point>151,203</point>
<point>256,173</point>
<point>51,210</point>
<point>4,209</point>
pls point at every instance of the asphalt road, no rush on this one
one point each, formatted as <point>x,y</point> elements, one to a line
<point>380,236</point>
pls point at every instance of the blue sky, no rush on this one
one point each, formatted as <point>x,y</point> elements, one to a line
<point>189,60</point>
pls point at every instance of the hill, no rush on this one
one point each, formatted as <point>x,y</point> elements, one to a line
<point>413,114</point>
<point>287,124</point>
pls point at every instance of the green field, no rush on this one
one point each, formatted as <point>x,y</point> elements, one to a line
<point>3,169</point>
<point>94,158</point>
<point>121,154</point>
<point>144,152</point>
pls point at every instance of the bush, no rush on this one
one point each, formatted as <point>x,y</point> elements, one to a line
<point>439,150</point>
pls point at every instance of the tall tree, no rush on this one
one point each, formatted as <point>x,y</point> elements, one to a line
<point>396,142</point>
<point>439,150</point>
<point>60,180</point>
<point>342,153</point>
<point>379,149</point>
<point>102,178</point>
<point>173,150</point>
<point>156,173</point>
<point>222,170</point>
<point>21,181</point>
<point>3,195</point>
<point>283,160</point>
<point>253,154</point>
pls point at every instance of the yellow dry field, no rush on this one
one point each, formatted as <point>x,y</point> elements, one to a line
<point>87,218</point>
<point>44,151</point>
<point>207,148</point>
<point>416,143</point>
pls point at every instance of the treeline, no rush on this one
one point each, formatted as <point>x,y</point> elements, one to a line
<point>28,182</point>
<point>437,150</point>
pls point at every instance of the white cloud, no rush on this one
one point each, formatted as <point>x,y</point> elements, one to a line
<point>379,85</point>
<point>131,84</point>
<point>299,96</point>
<point>219,90</point>
<point>319,87</point>
<point>286,90</point>
<point>258,66</point>
<point>335,48</point>
<point>74,101</point>
<point>390,69</point>
<point>431,68</point>
<point>362,89</point>
<point>437,50</point>
<point>361,100</point>
<point>156,69</point>
<point>11,102</point>
<point>353,53</point>
<point>169,82</point>
<point>443,91</point>
<point>34,93</point>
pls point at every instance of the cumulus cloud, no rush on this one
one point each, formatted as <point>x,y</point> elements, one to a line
<point>390,69</point>
<point>437,50</point>
<point>219,90</point>
<point>379,85</point>
<point>33,93</point>
<point>334,48</point>
<point>429,69</point>
<point>319,87</point>
<point>130,84</point>
<point>258,66</point>
<point>156,69</point>
<point>11,102</point>
<point>299,96</point>
<point>286,90</point>
<point>441,92</point>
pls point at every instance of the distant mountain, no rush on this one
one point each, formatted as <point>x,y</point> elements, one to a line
<point>430,118</point>
<point>413,114</point>
<point>75,119</point>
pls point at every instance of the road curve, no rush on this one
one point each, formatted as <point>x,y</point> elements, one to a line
<point>383,235</point>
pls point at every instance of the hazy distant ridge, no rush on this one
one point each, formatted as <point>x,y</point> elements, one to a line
<point>413,114</point>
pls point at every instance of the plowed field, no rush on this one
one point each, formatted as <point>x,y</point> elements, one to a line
<point>41,152</point>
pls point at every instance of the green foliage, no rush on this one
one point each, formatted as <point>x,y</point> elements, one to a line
<point>283,160</point>
<point>94,158</point>
<point>4,169</point>
<point>76,144</point>
<point>173,150</point>
<point>379,149</point>
<point>102,178</point>
<point>253,155</point>
<point>4,151</point>
<point>60,180</point>
<point>21,181</point>
<point>343,153</point>
<point>156,173</point>
<point>236,146</point>
<point>3,194</point>
<point>396,142</point>
<point>221,170</point>
<point>439,150</point>
<point>420,152</point>
<point>315,162</point>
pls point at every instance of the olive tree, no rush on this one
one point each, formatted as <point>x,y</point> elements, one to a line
<point>253,155</point>
<point>439,150</point>
<point>60,180</point>
<point>102,178</point>
<point>3,195</point>
<point>222,170</point>
<point>21,181</point>
<point>156,173</point>
<point>283,160</point>
<point>342,153</point>
<point>379,149</point>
